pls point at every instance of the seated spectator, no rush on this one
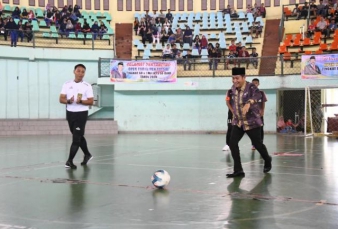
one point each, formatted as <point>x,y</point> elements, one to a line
<point>179,36</point>
<point>172,39</point>
<point>162,17</point>
<point>313,9</point>
<point>213,61</point>
<point>238,48</point>
<point>331,28</point>
<point>65,9</point>
<point>218,51</point>
<point>77,28</point>
<point>102,31</point>
<point>231,59</point>
<point>179,58</point>
<point>289,127</point>
<point>3,30</point>
<point>16,13</point>
<point>232,46</point>
<point>248,9</point>
<point>187,36</point>
<point>321,9</point>
<point>70,9</point>
<point>243,56</point>
<point>175,52</point>
<point>322,26</point>
<point>69,27</point>
<point>77,11</point>
<point>24,14</point>
<point>166,24</point>
<point>57,18</point>
<point>20,31</point>
<point>197,43</point>
<point>28,31</point>
<point>254,58</point>
<point>164,35</point>
<point>187,60</point>
<point>204,42</point>
<point>311,29</point>
<point>156,34</point>
<point>73,18</point>
<point>169,16</point>
<point>300,125</point>
<point>148,36</point>
<point>158,23</point>
<point>49,18</point>
<point>85,28</point>
<point>142,28</point>
<point>62,28</point>
<point>262,10</point>
<point>280,124</point>
<point>95,29</point>
<point>303,12</point>
<point>296,11</point>
<point>257,29</point>
<point>54,9</point>
<point>12,28</point>
<point>234,14</point>
<point>166,52</point>
<point>136,24</point>
<point>31,15</point>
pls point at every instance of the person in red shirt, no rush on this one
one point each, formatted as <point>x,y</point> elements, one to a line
<point>232,46</point>
<point>204,42</point>
<point>244,57</point>
<point>311,29</point>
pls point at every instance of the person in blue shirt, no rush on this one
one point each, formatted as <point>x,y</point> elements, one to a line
<point>95,29</point>
<point>331,28</point>
<point>187,36</point>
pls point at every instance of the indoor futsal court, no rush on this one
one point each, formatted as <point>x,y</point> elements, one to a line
<point>115,191</point>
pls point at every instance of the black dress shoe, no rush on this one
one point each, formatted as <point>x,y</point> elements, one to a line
<point>267,165</point>
<point>236,174</point>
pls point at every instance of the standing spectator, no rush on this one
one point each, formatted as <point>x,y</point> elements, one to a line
<point>254,58</point>
<point>187,36</point>
<point>95,29</point>
<point>262,10</point>
<point>331,28</point>
<point>16,13</point>
<point>20,31</point>
<point>28,30</point>
<point>49,17</point>
<point>136,24</point>
<point>244,57</point>
<point>77,11</point>
<point>322,26</point>
<point>321,8</point>
<point>311,29</point>
<point>212,58</point>
<point>187,60</point>
<point>169,16</point>
<point>24,14</point>
<point>12,27</point>
<point>166,52</point>
<point>218,51</point>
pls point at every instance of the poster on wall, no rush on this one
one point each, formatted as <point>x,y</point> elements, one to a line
<point>319,66</point>
<point>143,71</point>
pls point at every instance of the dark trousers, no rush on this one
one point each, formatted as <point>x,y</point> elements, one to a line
<point>262,131</point>
<point>255,136</point>
<point>77,124</point>
<point>228,136</point>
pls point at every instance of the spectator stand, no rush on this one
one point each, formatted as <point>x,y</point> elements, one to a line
<point>44,36</point>
<point>217,29</point>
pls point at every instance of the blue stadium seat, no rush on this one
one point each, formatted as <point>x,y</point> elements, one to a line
<point>228,29</point>
<point>194,52</point>
<point>204,59</point>
<point>222,44</point>
<point>212,24</point>
<point>220,25</point>
<point>245,28</point>
<point>149,46</point>
<point>197,30</point>
<point>158,46</point>
<point>212,36</point>
<point>248,39</point>
<point>136,42</point>
<point>205,25</point>
<point>140,46</point>
<point>186,46</point>
<point>204,52</point>
<point>81,36</point>
<point>178,45</point>
<point>184,17</point>
<point>147,53</point>
<point>241,15</point>
<point>46,35</point>
<point>259,19</point>
<point>198,16</point>
<point>72,35</point>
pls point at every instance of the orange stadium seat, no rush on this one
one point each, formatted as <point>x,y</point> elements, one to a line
<point>319,51</point>
<point>316,41</point>
<point>296,42</point>
<point>334,46</point>
<point>282,49</point>
<point>287,43</point>
<point>287,56</point>
<point>308,52</point>
<point>323,47</point>
<point>306,41</point>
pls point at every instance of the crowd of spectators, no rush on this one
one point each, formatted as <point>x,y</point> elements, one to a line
<point>65,20</point>
<point>157,28</point>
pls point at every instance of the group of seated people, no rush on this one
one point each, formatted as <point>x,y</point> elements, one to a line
<point>257,11</point>
<point>289,126</point>
<point>8,27</point>
<point>324,9</point>
<point>325,25</point>
<point>237,55</point>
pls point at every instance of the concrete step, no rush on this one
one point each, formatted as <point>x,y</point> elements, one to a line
<point>53,127</point>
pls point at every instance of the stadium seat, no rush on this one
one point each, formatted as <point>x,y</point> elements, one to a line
<point>53,28</point>
<point>319,52</point>
<point>136,42</point>
<point>323,47</point>
<point>212,24</point>
<point>205,25</point>
<point>220,24</point>
<point>248,39</point>
<point>55,35</point>
<point>228,29</point>
<point>197,29</point>
<point>245,28</point>
<point>72,35</point>
<point>259,19</point>
<point>7,8</point>
<point>158,46</point>
<point>43,23</point>
<point>184,17</point>
<point>80,36</point>
<point>108,16</point>
<point>89,36</point>
<point>204,52</point>
<point>204,59</point>
<point>241,15</point>
<point>46,35</point>
<point>178,45</point>
<point>222,44</point>
<point>39,13</point>
<point>334,46</point>
<point>195,52</point>
<point>296,42</point>
<point>212,36</point>
<point>198,16</point>
<point>186,46</point>
<point>282,49</point>
<point>149,46</point>
<point>147,53</point>
<point>105,37</point>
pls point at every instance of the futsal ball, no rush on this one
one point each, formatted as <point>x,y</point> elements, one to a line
<point>160,179</point>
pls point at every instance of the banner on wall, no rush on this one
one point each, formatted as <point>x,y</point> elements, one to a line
<point>319,66</point>
<point>143,71</point>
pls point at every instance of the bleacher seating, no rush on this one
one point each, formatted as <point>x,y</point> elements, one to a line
<point>49,36</point>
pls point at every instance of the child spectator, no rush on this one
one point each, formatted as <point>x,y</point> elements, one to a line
<point>254,58</point>
<point>24,14</point>
<point>166,52</point>
<point>231,59</point>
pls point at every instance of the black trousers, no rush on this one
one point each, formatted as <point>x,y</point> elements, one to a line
<point>228,136</point>
<point>255,136</point>
<point>262,131</point>
<point>77,124</point>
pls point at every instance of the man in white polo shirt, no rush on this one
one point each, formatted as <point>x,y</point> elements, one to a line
<point>78,95</point>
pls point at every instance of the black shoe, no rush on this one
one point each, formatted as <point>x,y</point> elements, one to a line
<point>267,165</point>
<point>86,159</point>
<point>70,164</point>
<point>236,174</point>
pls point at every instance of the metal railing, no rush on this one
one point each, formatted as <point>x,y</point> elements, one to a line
<point>67,40</point>
<point>221,67</point>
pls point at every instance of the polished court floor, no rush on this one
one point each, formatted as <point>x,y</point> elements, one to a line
<point>114,190</point>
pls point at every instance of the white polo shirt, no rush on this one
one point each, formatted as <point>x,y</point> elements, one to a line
<point>71,88</point>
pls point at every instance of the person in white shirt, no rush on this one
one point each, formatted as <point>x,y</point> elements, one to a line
<point>78,96</point>
<point>167,52</point>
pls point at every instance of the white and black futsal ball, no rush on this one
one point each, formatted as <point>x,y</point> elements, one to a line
<point>160,178</point>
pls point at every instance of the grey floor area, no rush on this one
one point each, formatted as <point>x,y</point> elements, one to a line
<point>115,191</point>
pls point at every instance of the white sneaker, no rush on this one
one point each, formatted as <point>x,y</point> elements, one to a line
<point>226,148</point>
